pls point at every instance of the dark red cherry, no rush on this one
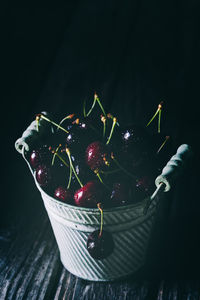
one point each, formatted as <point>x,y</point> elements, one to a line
<point>100,246</point>
<point>63,194</point>
<point>81,133</point>
<point>143,187</point>
<point>97,156</point>
<point>133,146</point>
<point>121,194</point>
<point>89,195</point>
<point>40,156</point>
<point>43,175</point>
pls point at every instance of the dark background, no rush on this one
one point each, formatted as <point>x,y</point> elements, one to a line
<point>133,54</point>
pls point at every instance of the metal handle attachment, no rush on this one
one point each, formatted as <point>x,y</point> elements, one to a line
<point>31,134</point>
<point>174,167</point>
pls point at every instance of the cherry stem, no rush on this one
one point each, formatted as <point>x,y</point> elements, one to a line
<point>122,168</point>
<point>66,118</point>
<point>100,179</point>
<point>103,119</point>
<point>110,172</point>
<point>37,123</point>
<point>71,164</point>
<point>96,99</point>
<point>112,129</point>
<point>101,226</point>
<point>158,111</point>
<point>166,139</point>
<point>52,122</point>
<point>84,111</point>
<point>111,117</point>
<point>99,102</point>
<point>159,119</point>
<point>93,105</point>
<point>63,161</point>
<point>70,177</point>
<point>55,153</point>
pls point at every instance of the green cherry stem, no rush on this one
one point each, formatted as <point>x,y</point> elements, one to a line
<point>100,179</point>
<point>93,105</point>
<point>37,122</point>
<point>103,119</point>
<point>153,117</point>
<point>70,161</point>
<point>109,116</point>
<point>101,226</point>
<point>158,111</point>
<point>159,119</point>
<point>66,118</point>
<point>120,167</point>
<point>112,129</point>
<point>84,111</point>
<point>63,161</point>
<point>70,177</point>
<point>101,106</point>
<point>110,172</point>
<point>52,122</point>
<point>54,154</point>
<point>96,99</point>
<point>166,139</point>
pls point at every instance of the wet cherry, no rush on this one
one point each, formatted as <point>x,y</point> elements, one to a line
<point>121,194</point>
<point>100,245</point>
<point>43,175</point>
<point>133,146</point>
<point>63,194</point>
<point>89,195</point>
<point>143,187</point>
<point>97,156</point>
<point>40,156</point>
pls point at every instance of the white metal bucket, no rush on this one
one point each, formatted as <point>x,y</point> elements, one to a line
<point>130,228</point>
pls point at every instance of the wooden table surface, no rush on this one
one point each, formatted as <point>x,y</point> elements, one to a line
<point>132,55</point>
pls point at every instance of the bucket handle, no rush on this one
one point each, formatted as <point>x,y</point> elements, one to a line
<point>170,172</point>
<point>32,133</point>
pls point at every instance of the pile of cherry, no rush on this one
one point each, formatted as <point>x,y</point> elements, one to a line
<point>95,162</point>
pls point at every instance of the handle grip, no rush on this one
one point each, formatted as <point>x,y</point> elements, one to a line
<point>174,167</point>
<point>31,134</point>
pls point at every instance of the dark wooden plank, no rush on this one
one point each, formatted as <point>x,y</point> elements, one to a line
<point>29,258</point>
<point>32,257</point>
<point>71,287</point>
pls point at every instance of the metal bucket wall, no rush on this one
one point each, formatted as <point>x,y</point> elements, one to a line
<point>130,228</point>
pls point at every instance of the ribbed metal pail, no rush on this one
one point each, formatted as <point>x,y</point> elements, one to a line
<point>130,228</point>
